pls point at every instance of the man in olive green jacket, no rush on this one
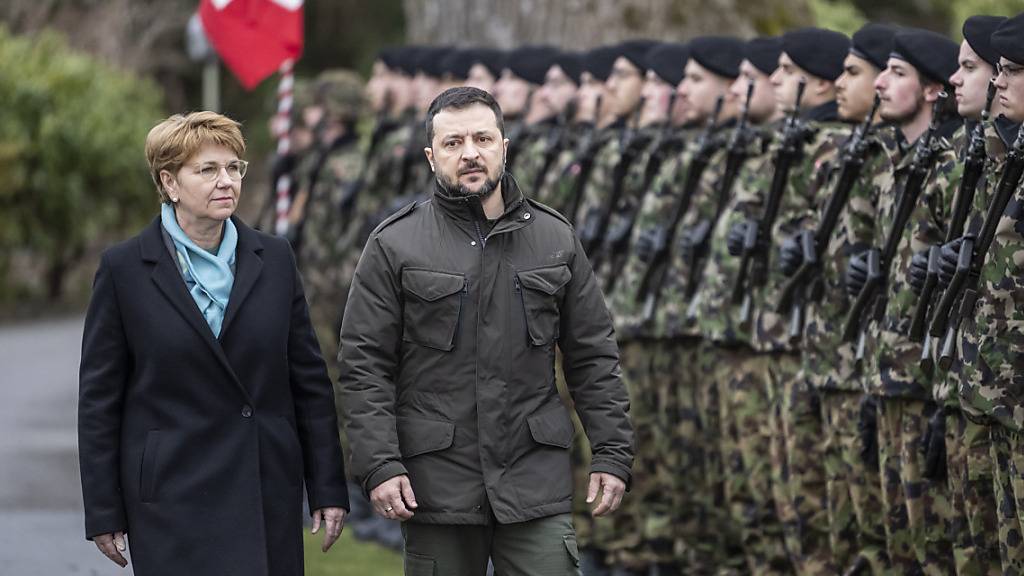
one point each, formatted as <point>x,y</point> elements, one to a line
<point>448,360</point>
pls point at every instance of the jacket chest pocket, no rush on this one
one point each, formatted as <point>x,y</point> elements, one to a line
<point>540,291</point>
<point>433,304</point>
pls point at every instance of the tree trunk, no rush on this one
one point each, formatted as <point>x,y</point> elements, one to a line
<point>581,24</point>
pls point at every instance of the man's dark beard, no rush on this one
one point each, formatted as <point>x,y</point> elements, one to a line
<point>456,189</point>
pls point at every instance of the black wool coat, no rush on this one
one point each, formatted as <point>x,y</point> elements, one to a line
<point>198,447</point>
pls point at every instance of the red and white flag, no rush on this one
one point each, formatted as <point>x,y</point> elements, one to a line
<point>253,37</point>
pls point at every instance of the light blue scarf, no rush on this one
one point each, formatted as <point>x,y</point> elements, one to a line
<point>208,276</point>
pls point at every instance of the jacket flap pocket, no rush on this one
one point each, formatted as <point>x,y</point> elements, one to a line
<point>548,280</point>
<point>418,436</point>
<point>429,285</point>
<point>552,427</point>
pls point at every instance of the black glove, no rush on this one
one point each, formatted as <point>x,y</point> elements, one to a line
<point>791,255</point>
<point>856,273</point>
<point>693,241</point>
<point>867,430</point>
<point>918,272</point>
<point>647,243</point>
<point>933,446</point>
<point>950,254</point>
<point>735,238</point>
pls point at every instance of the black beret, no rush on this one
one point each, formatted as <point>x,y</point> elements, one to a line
<point>458,62</point>
<point>635,51</point>
<point>531,63</point>
<point>1008,39</point>
<point>719,54</point>
<point>763,53</point>
<point>668,61</point>
<point>600,60</point>
<point>978,32</point>
<point>818,51</point>
<point>934,55</point>
<point>405,59</point>
<point>873,42</point>
<point>491,58</point>
<point>571,63</point>
<point>389,55</point>
<point>429,60</point>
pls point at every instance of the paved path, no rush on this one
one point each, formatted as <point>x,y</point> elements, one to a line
<point>41,526</point>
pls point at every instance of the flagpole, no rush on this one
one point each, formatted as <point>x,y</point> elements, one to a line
<point>283,125</point>
<point>211,85</point>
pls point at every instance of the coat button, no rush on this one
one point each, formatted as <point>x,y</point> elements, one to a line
<point>246,411</point>
<point>526,216</point>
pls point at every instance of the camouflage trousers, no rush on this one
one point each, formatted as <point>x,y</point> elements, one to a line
<point>852,483</point>
<point>1008,470</point>
<point>745,409</point>
<point>973,527</point>
<point>917,509</point>
<point>622,535</point>
<point>804,485</point>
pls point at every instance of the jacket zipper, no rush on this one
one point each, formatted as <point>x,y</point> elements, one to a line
<point>480,234</point>
<point>522,300</point>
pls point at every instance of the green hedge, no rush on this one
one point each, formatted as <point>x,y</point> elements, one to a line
<point>72,168</point>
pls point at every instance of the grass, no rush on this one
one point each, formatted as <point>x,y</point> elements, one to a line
<point>350,557</point>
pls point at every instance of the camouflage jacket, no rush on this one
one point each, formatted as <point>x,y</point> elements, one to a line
<point>538,143</point>
<point>574,183</point>
<point>806,177</point>
<point>717,318</point>
<point>548,187</point>
<point>325,239</point>
<point>654,211</point>
<point>992,381</point>
<point>892,359</point>
<point>827,361</point>
<point>650,150</point>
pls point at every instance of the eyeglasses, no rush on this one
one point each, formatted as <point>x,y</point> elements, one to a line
<point>1009,70</point>
<point>209,171</point>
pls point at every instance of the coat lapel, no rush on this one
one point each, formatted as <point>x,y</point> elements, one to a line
<point>168,280</point>
<point>248,266</point>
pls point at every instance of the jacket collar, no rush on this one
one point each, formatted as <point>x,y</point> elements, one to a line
<point>469,210</point>
<point>167,277</point>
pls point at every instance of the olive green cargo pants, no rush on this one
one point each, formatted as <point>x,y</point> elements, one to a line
<point>541,547</point>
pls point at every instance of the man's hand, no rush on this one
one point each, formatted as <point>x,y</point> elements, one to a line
<point>613,489</point>
<point>394,499</point>
<point>112,545</point>
<point>334,523</point>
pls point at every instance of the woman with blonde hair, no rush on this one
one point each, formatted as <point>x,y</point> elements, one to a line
<point>204,404</point>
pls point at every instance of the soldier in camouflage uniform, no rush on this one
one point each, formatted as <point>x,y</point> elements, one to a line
<point>969,473</point>
<point>526,118</point>
<point>485,69</point>
<point>733,395</point>
<point>990,345</point>
<point>916,508</point>
<point>593,123</point>
<point>797,479</point>
<point>665,401</point>
<point>827,363</point>
<point>322,243</point>
<point>547,137</point>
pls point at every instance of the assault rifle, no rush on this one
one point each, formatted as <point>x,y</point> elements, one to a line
<point>595,224</point>
<point>854,155</point>
<point>872,294</point>
<point>586,149</point>
<point>616,241</point>
<point>736,155</point>
<point>974,166</point>
<point>657,269</point>
<point>758,233</point>
<point>974,249</point>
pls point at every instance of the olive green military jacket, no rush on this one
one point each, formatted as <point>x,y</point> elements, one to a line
<point>448,361</point>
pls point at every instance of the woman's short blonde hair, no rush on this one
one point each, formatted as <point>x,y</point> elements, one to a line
<point>172,142</point>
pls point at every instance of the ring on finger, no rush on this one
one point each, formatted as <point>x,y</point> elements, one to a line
<point>389,509</point>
